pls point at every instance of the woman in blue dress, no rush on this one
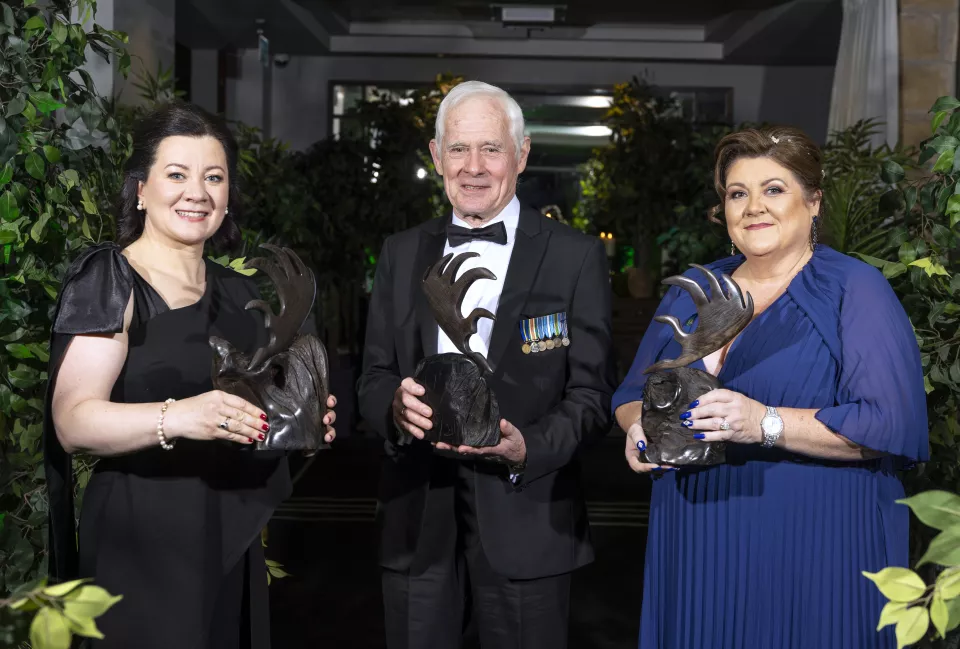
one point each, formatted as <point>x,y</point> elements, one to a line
<point>767,549</point>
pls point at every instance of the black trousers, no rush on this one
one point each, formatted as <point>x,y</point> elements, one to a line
<point>451,583</point>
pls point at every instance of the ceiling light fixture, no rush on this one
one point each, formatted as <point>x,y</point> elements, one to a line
<point>528,14</point>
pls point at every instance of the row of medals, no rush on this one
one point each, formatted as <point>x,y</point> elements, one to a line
<point>544,345</point>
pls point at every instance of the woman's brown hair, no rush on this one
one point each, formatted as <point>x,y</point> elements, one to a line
<point>787,146</point>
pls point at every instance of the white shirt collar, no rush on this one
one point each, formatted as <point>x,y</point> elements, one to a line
<point>510,215</point>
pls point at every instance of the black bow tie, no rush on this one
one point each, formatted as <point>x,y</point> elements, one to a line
<point>494,233</point>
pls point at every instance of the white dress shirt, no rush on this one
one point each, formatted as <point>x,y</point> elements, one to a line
<point>484,293</point>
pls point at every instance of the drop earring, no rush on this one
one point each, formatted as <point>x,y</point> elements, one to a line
<point>814,234</point>
<point>226,211</point>
<point>733,248</point>
<point>140,205</point>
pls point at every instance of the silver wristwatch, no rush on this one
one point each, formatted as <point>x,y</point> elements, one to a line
<point>771,426</point>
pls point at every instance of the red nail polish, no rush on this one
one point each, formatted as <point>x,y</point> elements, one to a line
<point>262,437</point>
<point>265,427</point>
<point>263,417</point>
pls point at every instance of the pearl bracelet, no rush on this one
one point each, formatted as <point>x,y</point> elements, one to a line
<point>163,440</point>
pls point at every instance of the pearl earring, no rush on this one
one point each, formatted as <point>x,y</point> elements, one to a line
<point>226,211</point>
<point>140,205</point>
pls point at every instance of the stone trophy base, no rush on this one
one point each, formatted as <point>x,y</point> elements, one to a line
<point>665,397</point>
<point>292,389</point>
<point>465,409</point>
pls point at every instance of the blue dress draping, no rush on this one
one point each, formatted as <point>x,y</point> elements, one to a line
<point>767,549</point>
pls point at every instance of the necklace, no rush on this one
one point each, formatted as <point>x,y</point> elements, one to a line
<point>793,272</point>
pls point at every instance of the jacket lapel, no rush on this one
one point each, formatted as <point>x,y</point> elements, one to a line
<point>429,250</point>
<point>528,250</point>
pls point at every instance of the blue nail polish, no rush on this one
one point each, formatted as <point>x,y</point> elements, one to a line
<point>699,436</point>
<point>685,415</point>
<point>686,424</point>
<point>694,404</point>
<point>641,446</point>
<point>657,469</point>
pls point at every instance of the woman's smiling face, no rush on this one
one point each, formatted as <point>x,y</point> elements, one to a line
<point>187,190</point>
<point>766,207</point>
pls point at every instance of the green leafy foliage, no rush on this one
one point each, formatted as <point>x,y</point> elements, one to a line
<point>915,606</point>
<point>59,612</point>
<point>59,151</point>
<point>861,215</point>
<point>336,203</point>
<point>275,571</point>
<point>921,263</point>
<point>918,257</point>
<point>652,184</point>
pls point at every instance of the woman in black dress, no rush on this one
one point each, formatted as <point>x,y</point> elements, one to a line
<point>171,517</point>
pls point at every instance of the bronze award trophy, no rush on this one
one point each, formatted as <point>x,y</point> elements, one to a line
<point>672,386</point>
<point>288,377</point>
<point>465,409</point>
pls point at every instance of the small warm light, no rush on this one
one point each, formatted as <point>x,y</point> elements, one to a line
<point>608,243</point>
<point>552,212</point>
<point>421,173</point>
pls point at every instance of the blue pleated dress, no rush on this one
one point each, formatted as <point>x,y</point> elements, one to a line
<point>766,551</point>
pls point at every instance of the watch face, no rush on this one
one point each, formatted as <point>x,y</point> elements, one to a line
<point>771,425</point>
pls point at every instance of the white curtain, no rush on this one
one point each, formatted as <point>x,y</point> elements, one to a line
<point>866,81</point>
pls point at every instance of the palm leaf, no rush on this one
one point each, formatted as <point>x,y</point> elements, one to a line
<point>854,222</point>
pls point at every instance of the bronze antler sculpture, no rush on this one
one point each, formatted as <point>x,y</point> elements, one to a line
<point>465,410</point>
<point>672,385</point>
<point>288,377</point>
<point>445,295</point>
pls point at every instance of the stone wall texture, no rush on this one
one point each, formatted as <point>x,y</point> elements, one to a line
<point>928,62</point>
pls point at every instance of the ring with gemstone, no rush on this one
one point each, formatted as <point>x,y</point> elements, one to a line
<point>225,424</point>
<point>724,424</point>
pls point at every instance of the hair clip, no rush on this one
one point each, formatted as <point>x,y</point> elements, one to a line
<point>775,139</point>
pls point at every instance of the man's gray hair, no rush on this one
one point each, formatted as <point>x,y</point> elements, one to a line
<point>469,89</point>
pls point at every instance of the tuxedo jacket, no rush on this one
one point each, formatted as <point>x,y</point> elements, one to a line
<point>559,399</point>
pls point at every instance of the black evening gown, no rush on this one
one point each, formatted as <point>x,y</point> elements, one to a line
<point>177,533</point>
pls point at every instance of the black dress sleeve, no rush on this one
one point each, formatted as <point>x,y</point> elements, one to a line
<point>95,292</point>
<point>93,297</point>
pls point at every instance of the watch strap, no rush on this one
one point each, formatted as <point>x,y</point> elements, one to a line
<point>770,438</point>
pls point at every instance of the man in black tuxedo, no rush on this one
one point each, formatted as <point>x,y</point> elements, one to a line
<point>489,532</point>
